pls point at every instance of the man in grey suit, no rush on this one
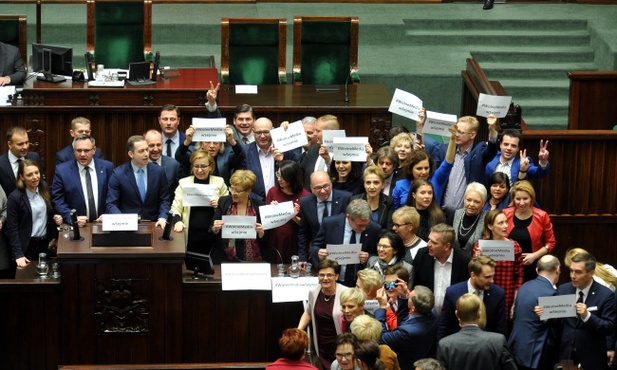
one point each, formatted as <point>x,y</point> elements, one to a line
<point>530,340</point>
<point>473,348</point>
<point>173,171</point>
<point>11,66</point>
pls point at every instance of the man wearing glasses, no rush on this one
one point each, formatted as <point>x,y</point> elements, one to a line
<point>81,184</point>
<point>79,126</point>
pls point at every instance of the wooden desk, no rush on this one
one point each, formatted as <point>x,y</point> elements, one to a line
<point>118,113</point>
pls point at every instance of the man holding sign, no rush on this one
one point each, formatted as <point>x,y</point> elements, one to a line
<point>354,227</point>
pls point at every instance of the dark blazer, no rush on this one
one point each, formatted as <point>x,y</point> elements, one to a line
<point>473,348</point>
<point>589,337</point>
<point>251,162</point>
<point>7,178</point>
<point>123,194</point>
<point>424,268</point>
<point>11,64</point>
<point>173,173</point>
<point>19,223</point>
<point>67,154</point>
<point>67,192</point>
<point>475,162</point>
<point>307,164</point>
<point>412,339</point>
<point>309,221</point>
<point>385,211</point>
<point>227,162</point>
<point>494,301</point>
<point>529,334</point>
<point>332,231</point>
<point>533,172</point>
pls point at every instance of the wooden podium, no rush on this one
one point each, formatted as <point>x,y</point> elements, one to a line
<point>121,304</point>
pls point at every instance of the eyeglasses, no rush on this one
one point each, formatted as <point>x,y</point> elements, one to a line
<point>278,175</point>
<point>201,166</point>
<point>462,133</point>
<point>236,191</point>
<point>83,132</point>
<point>259,133</point>
<point>322,187</point>
<point>399,225</point>
<point>383,246</point>
<point>340,356</point>
<point>323,276</point>
<point>83,150</point>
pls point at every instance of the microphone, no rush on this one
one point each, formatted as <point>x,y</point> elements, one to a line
<point>353,67</point>
<point>157,61</point>
<point>76,232</point>
<point>88,58</point>
<point>167,229</point>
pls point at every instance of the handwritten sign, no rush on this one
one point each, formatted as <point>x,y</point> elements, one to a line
<point>239,227</point>
<point>344,254</point>
<point>209,129</point>
<point>293,138</point>
<point>493,104</point>
<point>405,104</point>
<point>351,149</point>
<point>438,123</point>
<point>198,195</point>
<point>557,306</point>
<point>246,89</point>
<point>499,250</point>
<point>120,222</point>
<point>287,289</point>
<point>328,138</point>
<point>246,276</point>
<point>275,215</point>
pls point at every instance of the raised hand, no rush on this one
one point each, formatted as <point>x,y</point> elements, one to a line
<point>492,122</point>
<point>213,93</point>
<point>524,160</point>
<point>543,155</point>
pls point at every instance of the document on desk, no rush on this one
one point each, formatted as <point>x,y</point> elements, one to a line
<point>246,89</point>
<point>246,276</point>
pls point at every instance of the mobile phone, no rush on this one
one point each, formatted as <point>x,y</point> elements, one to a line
<point>390,285</point>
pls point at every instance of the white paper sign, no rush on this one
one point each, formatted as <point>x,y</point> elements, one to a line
<point>438,123</point>
<point>371,305</point>
<point>239,227</point>
<point>287,289</point>
<point>405,104</point>
<point>246,89</point>
<point>5,91</point>
<point>120,222</point>
<point>350,149</point>
<point>557,306</point>
<point>198,195</point>
<point>246,276</point>
<point>328,137</point>
<point>275,215</point>
<point>344,254</point>
<point>499,250</point>
<point>293,138</point>
<point>210,129</point>
<point>493,104</point>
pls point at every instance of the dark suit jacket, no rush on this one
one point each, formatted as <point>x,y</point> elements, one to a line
<point>332,231</point>
<point>533,172</point>
<point>19,223</point>
<point>173,173</point>
<point>590,338</point>
<point>11,64</point>
<point>529,334</point>
<point>309,222</point>
<point>475,161</point>
<point>424,268</point>
<point>411,340</point>
<point>7,178</point>
<point>307,164</point>
<point>385,211</point>
<point>67,192</point>
<point>472,348</point>
<point>67,154</point>
<point>227,162</point>
<point>494,301</point>
<point>123,194</point>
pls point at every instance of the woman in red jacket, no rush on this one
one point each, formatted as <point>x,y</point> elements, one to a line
<point>530,226</point>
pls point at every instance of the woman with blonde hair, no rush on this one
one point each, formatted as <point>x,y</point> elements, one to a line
<point>365,327</point>
<point>604,274</point>
<point>406,223</point>
<point>382,205</point>
<point>352,306</point>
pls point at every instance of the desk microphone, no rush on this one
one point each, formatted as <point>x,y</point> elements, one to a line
<point>346,88</point>
<point>76,232</point>
<point>167,229</point>
<point>157,61</point>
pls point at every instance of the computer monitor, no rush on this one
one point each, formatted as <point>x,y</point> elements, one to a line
<point>198,263</point>
<point>54,62</point>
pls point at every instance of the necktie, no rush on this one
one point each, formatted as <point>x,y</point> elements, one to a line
<point>325,210</point>
<point>92,214</point>
<point>141,184</point>
<point>168,142</point>
<point>19,160</point>
<point>353,239</point>
<point>581,297</point>
<point>245,140</point>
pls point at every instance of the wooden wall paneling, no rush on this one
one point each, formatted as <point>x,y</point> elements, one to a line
<point>592,98</point>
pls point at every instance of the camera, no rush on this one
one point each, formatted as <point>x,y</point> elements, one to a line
<point>390,285</point>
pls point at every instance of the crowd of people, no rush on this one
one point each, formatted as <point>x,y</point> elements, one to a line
<point>424,216</point>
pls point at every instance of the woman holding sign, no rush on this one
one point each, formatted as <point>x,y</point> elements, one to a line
<point>284,241</point>
<point>187,217</point>
<point>239,203</point>
<point>508,274</point>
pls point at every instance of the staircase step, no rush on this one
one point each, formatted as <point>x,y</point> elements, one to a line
<point>497,24</point>
<point>539,89</point>
<point>546,122</point>
<point>499,37</point>
<point>575,54</point>
<point>499,71</point>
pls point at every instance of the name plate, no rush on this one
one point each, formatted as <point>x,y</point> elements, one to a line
<point>246,276</point>
<point>120,222</point>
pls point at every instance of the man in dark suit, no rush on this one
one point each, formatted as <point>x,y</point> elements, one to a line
<point>529,339</point>
<point>169,120</point>
<point>480,283</point>
<point>18,143</point>
<point>353,227</point>
<point>323,202</point>
<point>584,337</point>
<point>244,118</point>
<point>317,157</point>
<point>473,348</point>
<point>262,158</point>
<point>437,261</point>
<point>73,188</point>
<point>139,186</point>
<point>173,171</point>
<point>12,67</point>
<point>79,126</point>
<point>413,338</point>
